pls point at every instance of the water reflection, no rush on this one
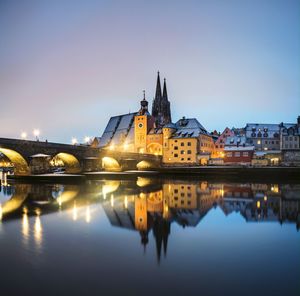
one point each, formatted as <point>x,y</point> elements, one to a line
<point>149,205</point>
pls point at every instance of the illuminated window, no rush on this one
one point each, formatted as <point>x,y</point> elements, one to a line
<point>258,142</point>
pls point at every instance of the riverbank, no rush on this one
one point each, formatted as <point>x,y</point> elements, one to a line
<point>217,173</point>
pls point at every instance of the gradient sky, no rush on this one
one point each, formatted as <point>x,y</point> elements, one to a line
<point>66,66</point>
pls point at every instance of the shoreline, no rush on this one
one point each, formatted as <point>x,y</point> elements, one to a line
<point>218,173</point>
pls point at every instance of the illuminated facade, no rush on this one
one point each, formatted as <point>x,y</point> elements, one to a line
<point>185,142</point>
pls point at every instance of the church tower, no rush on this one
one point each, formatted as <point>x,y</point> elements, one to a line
<point>141,122</point>
<point>161,106</point>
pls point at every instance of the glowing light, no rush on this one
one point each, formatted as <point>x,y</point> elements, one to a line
<point>112,200</point>
<point>258,204</point>
<point>112,147</point>
<point>88,215</point>
<point>126,202</point>
<point>265,198</point>
<point>38,230</point>
<point>1,212</point>
<point>75,214</point>
<point>36,133</point>
<point>23,135</point>
<point>25,225</point>
<point>87,140</point>
<point>74,141</point>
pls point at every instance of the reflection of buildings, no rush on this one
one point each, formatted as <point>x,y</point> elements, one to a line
<point>151,205</point>
<point>187,203</point>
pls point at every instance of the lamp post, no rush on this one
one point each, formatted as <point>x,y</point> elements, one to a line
<point>23,135</point>
<point>74,141</point>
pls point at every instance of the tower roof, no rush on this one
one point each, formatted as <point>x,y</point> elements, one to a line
<point>165,94</point>
<point>158,88</point>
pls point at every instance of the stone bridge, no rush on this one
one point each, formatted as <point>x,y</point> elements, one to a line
<point>35,157</point>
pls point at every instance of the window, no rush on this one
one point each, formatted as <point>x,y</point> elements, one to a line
<point>189,152</point>
<point>175,155</point>
<point>175,147</point>
<point>175,190</point>
<point>229,154</point>
<point>237,154</point>
<point>189,144</point>
<point>182,159</point>
<point>182,144</point>
<point>189,158</point>
<point>182,152</point>
<point>217,146</point>
<point>245,154</point>
<point>258,142</point>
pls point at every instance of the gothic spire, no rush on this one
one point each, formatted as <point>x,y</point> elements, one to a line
<point>158,88</point>
<point>165,94</point>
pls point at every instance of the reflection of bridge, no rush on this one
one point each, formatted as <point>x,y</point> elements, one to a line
<point>35,157</point>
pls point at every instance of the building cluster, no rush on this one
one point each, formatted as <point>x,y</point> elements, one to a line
<point>187,143</point>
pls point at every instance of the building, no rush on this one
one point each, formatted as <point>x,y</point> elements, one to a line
<point>161,110</point>
<point>263,136</point>
<point>186,142</point>
<point>221,140</point>
<point>238,151</point>
<point>290,135</point>
<point>290,143</point>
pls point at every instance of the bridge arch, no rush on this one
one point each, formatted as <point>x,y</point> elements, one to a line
<point>70,162</point>
<point>21,166</point>
<point>110,164</point>
<point>145,164</point>
<point>154,148</point>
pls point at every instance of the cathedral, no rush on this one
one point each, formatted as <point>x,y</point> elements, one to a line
<point>183,142</point>
<point>161,106</point>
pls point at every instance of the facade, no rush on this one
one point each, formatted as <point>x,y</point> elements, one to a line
<point>290,136</point>
<point>186,142</point>
<point>220,142</point>
<point>263,136</point>
<point>290,143</point>
<point>238,151</point>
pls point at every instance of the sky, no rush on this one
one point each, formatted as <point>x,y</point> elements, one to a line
<point>66,66</point>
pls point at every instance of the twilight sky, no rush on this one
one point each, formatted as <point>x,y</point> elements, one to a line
<point>66,66</point>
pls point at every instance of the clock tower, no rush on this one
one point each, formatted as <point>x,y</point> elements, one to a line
<point>142,123</point>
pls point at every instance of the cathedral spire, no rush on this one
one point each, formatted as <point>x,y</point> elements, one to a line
<point>165,94</point>
<point>158,88</point>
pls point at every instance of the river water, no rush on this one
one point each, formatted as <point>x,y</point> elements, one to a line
<point>150,236</point>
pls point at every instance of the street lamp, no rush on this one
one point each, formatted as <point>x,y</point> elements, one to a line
<point>87,140</point>
<point>23,135</point>
<point>74,141</point>
<point>36,133</point>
